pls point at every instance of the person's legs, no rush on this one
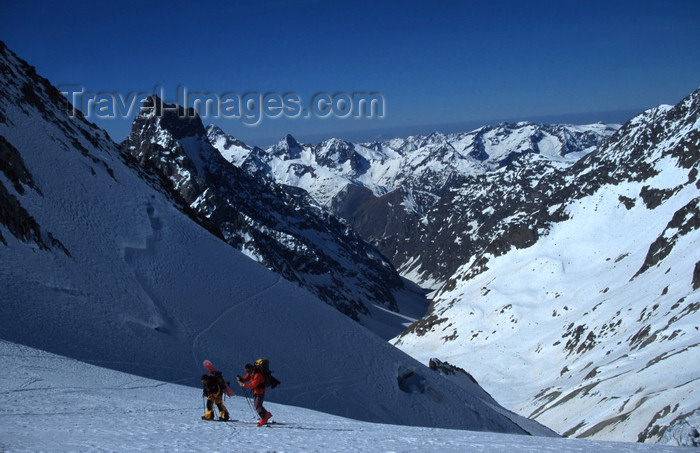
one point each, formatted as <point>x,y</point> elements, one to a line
<point>262,412</point>
<point>209,414</point>
<point>258,404</point>
<point>223,413</point>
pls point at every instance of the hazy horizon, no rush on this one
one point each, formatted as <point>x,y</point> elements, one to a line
<point>428,64</point>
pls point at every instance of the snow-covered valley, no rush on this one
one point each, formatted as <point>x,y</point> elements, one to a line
<point>581,309</point>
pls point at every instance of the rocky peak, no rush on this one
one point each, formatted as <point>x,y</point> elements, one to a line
<point>279,226</point>
<point>334,153</point>
<point>288,148</point>
<point>215,133</point>
<point>180,122</point>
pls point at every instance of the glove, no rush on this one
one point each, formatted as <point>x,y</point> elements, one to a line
<point>241,384</point>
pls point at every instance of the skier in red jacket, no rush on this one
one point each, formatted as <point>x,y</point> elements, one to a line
<point>255,380</point>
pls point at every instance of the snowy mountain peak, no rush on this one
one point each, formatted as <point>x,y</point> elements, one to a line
<point>232,149</point>
<point>288,148</point>
<point>341,156</point>
<point>215,133</point>
<point>335,146</point>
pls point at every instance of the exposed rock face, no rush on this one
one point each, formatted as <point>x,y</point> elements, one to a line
<point>281,227</point>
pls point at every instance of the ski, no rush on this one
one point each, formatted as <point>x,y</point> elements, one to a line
<point>210,366</point>
<point>251,424</point>
<point>268,424</point>
<point>278,425</point>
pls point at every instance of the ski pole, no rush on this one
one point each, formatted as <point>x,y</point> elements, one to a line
<point>250,404</point>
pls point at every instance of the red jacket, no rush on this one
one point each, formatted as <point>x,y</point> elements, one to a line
<point>256,381</point>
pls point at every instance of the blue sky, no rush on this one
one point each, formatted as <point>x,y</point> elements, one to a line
<point>439,65</point>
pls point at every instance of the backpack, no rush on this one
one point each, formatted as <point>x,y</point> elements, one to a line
<point>264,366</point>
<point>219,378</point>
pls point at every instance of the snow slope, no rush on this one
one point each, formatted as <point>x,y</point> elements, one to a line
<point>100,264</point>
<point>590,323</point>
<point>51,403</point>
<point>280,227</point>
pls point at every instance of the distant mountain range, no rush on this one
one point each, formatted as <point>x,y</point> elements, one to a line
<point>385,189</point>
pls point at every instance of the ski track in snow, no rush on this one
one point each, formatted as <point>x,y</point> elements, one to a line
<point>223,314</point>
<point>398,315</point>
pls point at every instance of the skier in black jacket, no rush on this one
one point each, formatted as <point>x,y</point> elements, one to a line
<point>213,391</point>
